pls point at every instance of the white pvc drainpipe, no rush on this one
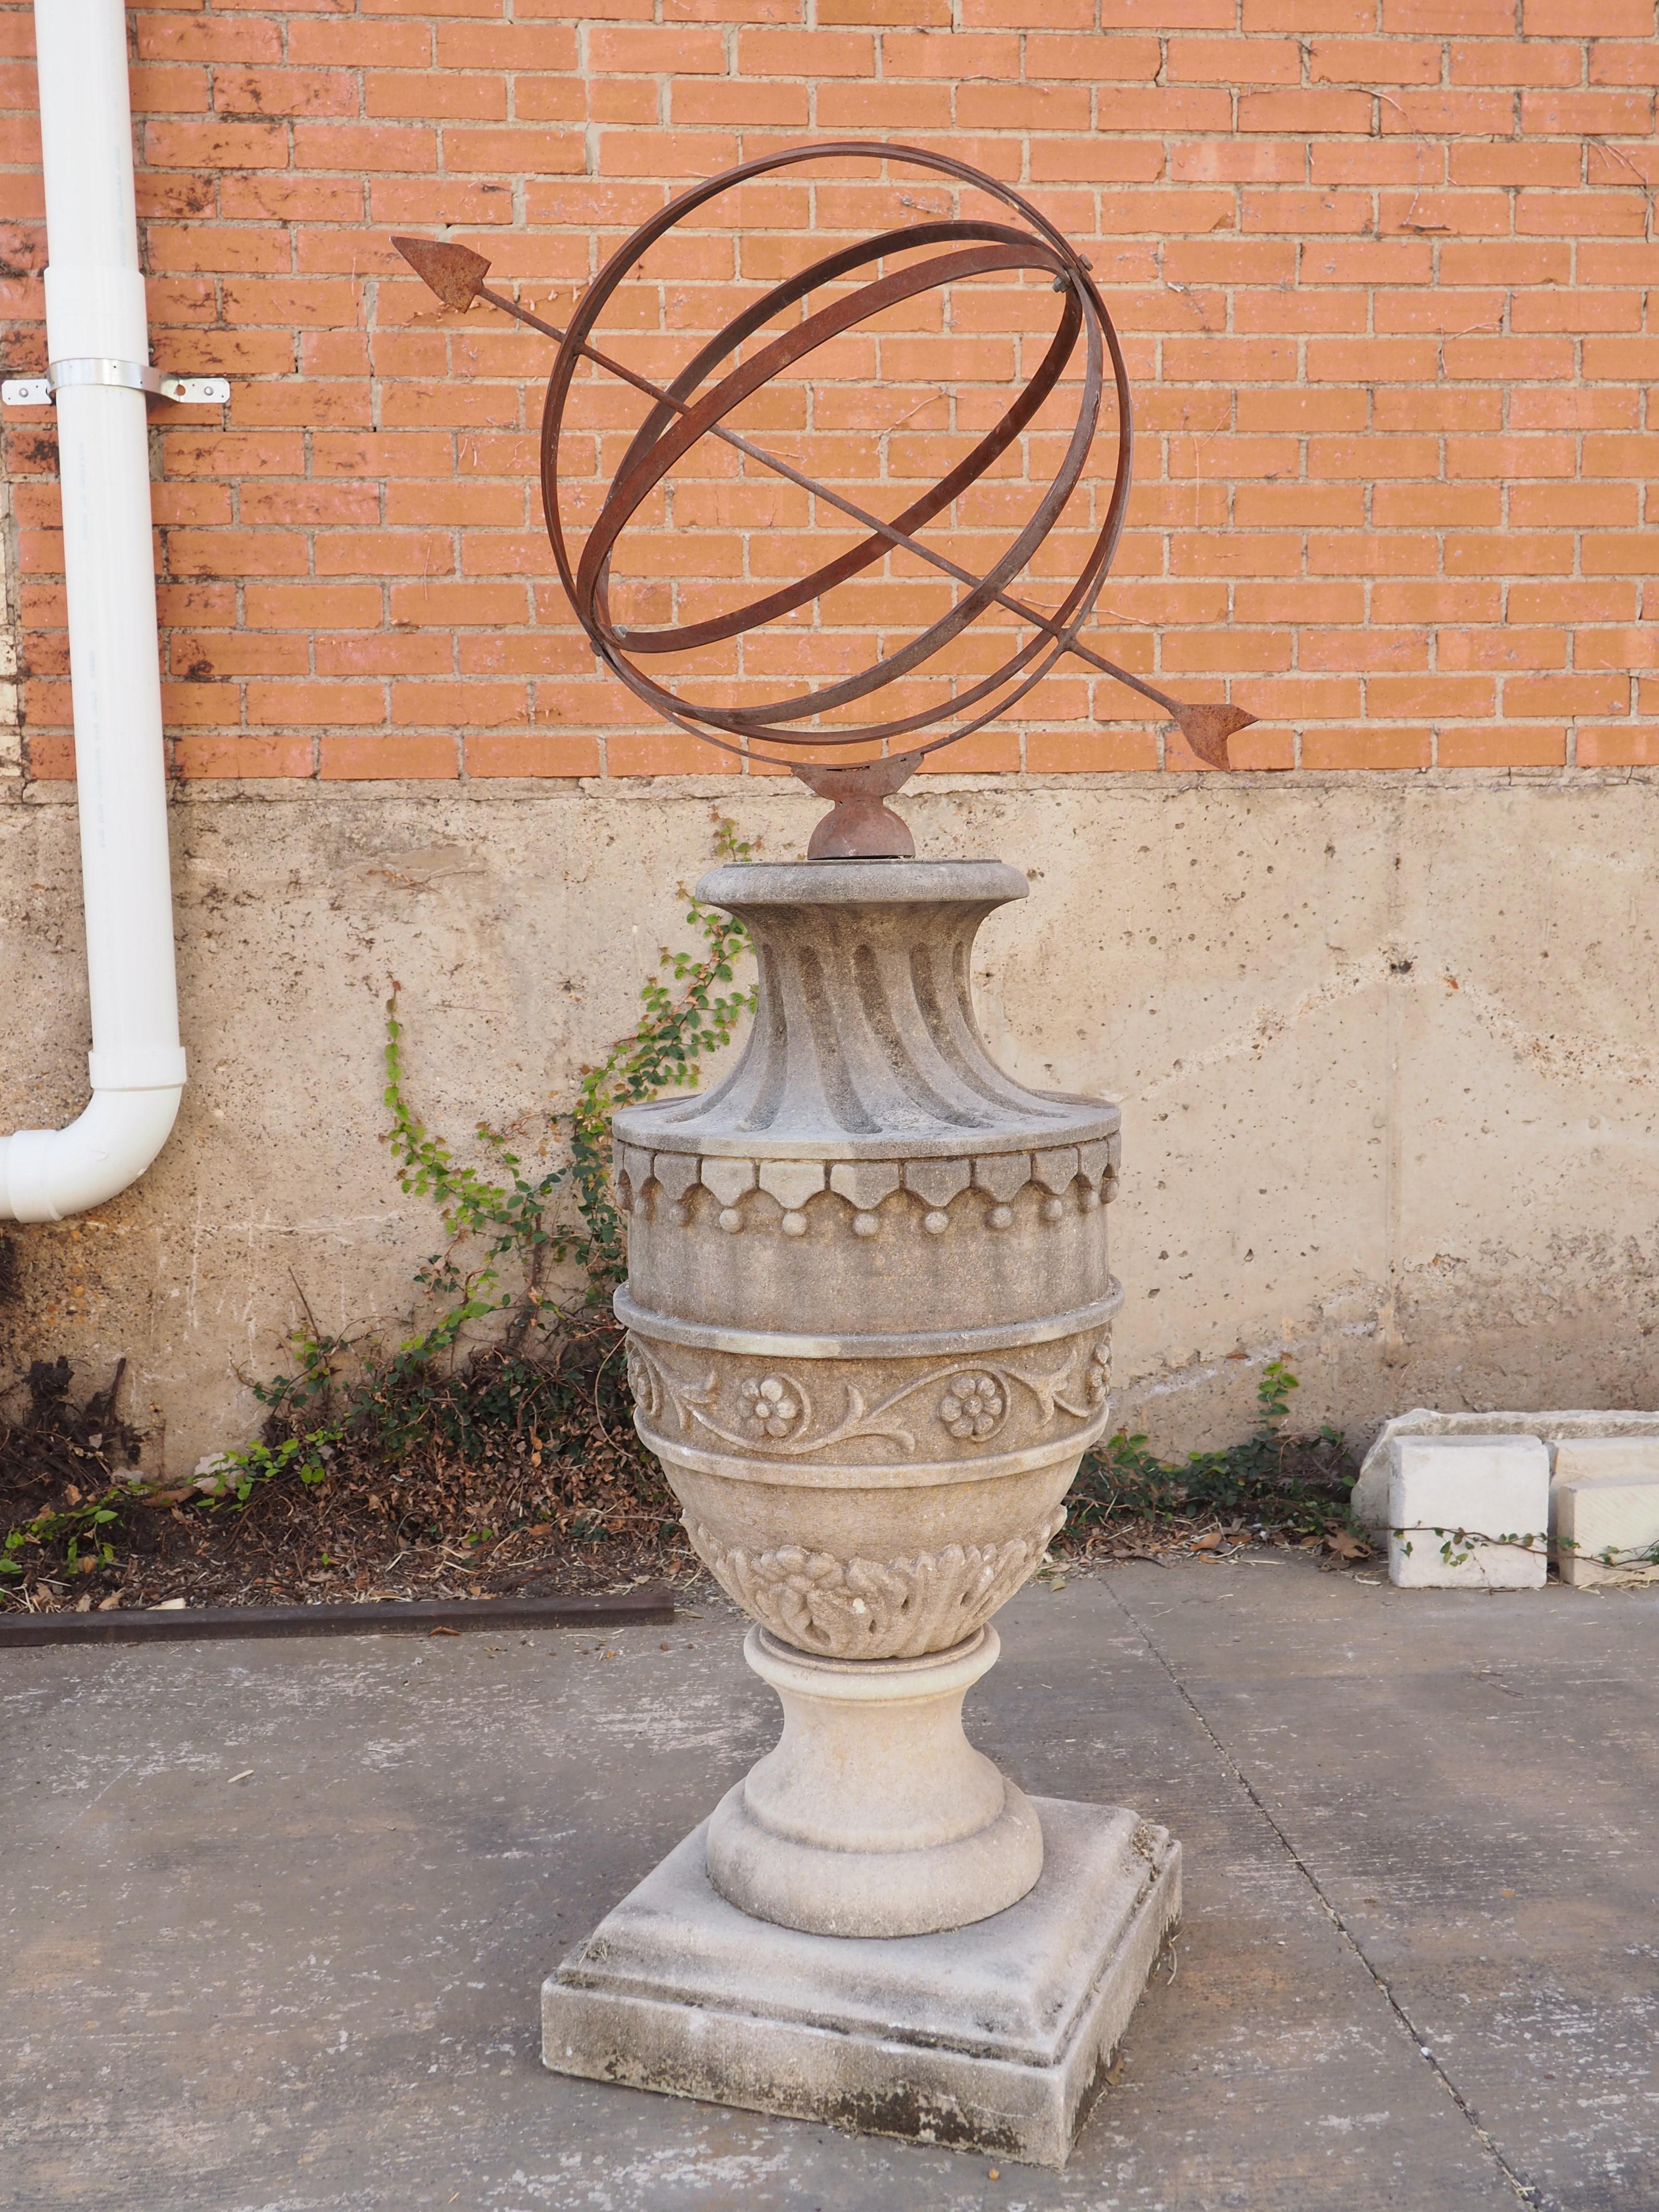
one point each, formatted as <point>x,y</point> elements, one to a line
<point>96,328</point>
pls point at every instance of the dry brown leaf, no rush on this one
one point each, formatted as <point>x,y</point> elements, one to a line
<point>1345,1546</point>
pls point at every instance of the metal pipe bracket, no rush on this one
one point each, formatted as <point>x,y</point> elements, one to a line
<point>128,375</point>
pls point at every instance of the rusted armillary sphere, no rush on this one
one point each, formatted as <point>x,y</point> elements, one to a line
<point>707,390</point>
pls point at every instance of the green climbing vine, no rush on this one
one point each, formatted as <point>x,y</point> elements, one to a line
<point>687,1017</point>
<point>498,1230</point>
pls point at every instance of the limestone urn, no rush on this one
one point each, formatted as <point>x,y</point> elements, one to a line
<point>869,1315</point>
<point>869,1312</point>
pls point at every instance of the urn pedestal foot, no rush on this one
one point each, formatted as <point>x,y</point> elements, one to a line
<point>874,1815</point>
<point>991,2037</point>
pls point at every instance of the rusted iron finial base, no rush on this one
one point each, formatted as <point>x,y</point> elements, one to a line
<point>857,827</point>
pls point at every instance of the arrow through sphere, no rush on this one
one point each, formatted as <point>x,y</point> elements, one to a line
<point>456,274</point>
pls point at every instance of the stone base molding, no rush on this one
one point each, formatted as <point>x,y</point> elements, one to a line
<point>991,2038</point>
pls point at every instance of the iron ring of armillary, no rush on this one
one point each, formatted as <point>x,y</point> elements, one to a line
<point>682,413</point>
<point>667,434</point>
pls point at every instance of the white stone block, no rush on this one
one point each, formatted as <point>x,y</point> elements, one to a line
<point>1607,1519</point>
<point>1473,1512</point>
<point>1603,1459</point>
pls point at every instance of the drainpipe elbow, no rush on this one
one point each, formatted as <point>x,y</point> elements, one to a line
<point>45,1174</point>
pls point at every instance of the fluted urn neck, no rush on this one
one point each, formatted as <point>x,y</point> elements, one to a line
<point>865,1038</point>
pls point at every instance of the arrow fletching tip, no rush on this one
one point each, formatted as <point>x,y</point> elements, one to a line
<point>1206,730</point>
<point>453,272</point>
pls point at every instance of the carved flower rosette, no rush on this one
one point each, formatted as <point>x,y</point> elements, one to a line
<point>863,1416</point>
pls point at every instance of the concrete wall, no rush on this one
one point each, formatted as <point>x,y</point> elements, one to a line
<point>1386,1048</point>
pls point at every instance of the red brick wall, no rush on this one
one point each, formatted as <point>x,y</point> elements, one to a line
<point>1383,270</point>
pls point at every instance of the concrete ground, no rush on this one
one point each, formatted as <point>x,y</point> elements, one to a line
<point>275,1915</point>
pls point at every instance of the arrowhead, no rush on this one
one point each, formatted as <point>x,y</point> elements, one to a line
<point>1206,730</point>
<point>455,273</point>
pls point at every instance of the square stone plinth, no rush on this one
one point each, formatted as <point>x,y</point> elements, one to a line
<point>990,2038</point>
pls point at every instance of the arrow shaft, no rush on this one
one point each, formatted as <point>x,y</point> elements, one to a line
<point>887,530</point>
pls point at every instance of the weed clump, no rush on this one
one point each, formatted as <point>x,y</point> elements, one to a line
<point>1274,1483</point>
<point>60,1462</point>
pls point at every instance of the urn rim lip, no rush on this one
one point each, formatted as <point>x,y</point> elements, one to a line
<point>646,1128</point>
<point>739,885</point>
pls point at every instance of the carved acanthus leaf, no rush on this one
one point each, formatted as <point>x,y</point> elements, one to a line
<point>873,1608</point>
